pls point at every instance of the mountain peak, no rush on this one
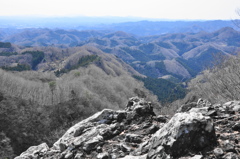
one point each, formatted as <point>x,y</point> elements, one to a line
<point>226,30</point>
<point>119,34</point>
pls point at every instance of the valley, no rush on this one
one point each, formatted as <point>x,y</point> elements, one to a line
<point>50,79</point>
<point>178,55</point>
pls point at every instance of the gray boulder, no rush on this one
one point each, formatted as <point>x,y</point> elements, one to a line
<point>187,107</point>
<point>184,133</point>
<point>195,105</point>
<point>231,155</point>
<point>34,152</point>
<point>86,129</point>
<point>232,106</point>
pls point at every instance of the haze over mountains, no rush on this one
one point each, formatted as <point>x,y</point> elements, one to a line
<point>180,55</point>
<point>64,73</point>
<point>133,25</point>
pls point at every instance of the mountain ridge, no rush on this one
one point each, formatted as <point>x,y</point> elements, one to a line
<point>189,50</point>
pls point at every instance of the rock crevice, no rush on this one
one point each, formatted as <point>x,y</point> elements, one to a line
<point>198,130</point>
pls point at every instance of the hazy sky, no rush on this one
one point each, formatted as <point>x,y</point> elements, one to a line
<point>167,9</point>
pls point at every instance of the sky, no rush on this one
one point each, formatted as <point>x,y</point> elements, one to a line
<point>159,9</point>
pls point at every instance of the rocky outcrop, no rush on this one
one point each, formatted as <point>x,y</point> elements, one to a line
<point>106,134</point>
<point>185,133</point>
<point>226,119</point>
<point>200,131</point>
<point>34,151</point>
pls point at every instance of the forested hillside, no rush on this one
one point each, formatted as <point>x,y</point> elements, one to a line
<point>165,90</point>
<point>93,81</point>
<point>218,84</point>
<point>30,97</point>
<point>61,61</point>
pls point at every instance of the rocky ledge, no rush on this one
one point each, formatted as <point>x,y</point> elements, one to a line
<point>199,130</point>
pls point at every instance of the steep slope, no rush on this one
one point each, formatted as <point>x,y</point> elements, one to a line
<point>220,83</point>
<point>62,61</point>
<point>84,60</point>
<point>28,97</point>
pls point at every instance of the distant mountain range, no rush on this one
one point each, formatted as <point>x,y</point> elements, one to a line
<point>146,28</point>
<point>62,22</point>
<point>180,55</point>
<point>132,25</point>
<point>47,37</point>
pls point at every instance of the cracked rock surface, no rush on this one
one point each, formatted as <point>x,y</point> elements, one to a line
<point>199,130</point>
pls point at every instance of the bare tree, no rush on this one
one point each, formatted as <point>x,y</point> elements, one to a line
<point>52,86</point>
<point>237,21</point>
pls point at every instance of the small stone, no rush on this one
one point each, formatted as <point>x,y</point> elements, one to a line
<point>236,127</point>
<point>161,118</point>
<point>157,153</point>
<point>212,113</point>
<point>125,148</point>
<point>135,157</point>
<point>203,110</point>
<point>218,152</point>
<point>102,155</point>
<point>116,132</point>
<point>133,138</point>
<point>236,108</point>
<point>78,141</point>
<point>228,147</point>
<point>236,141</point>
<point>187,107</point>
<point>113,156</point>
<point>106,133</point>
<point>197,157</point>
<point>99,149</point>
<point>230,155</point>
<point>228,104</point>
<point>79,156</point>
<point>121,154</point>
<point>91,144</point>
<point>114,126</point>
<point>152,129</point>
<point>120,116</point>
<point>146,125</point>
<point>69,155</point>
